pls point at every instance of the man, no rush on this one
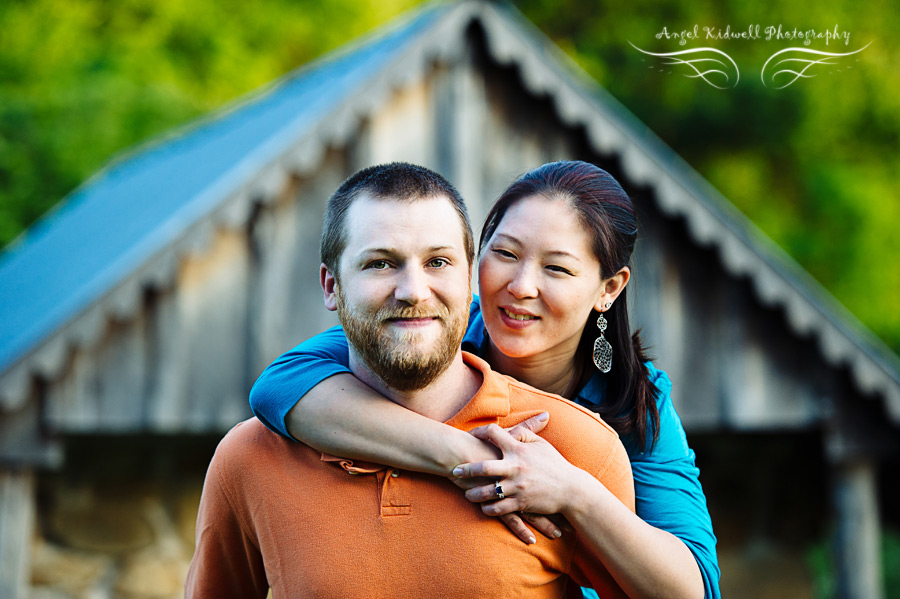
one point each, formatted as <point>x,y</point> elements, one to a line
<point>397,253</point>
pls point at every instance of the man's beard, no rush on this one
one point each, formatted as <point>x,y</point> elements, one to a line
<point>397,360</point>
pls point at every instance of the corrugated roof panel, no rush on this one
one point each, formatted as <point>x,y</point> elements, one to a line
<point>146,200</point>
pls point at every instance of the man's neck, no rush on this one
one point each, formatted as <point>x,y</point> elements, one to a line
<point>440,400</point>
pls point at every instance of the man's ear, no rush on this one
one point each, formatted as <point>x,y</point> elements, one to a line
<point>329,287</point>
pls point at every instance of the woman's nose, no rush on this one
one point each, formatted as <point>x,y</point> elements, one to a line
<point>523,284</point>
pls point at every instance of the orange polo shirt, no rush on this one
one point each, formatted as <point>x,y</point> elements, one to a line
<point>279,514</point>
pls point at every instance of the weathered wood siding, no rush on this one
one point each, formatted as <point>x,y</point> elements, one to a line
<point>187,362</point>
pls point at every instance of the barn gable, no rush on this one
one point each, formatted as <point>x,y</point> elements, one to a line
<point>128,228</point>
<point>149,301</point>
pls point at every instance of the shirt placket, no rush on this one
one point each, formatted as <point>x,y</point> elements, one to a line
<point>394,486</point>
<point>395,493</point>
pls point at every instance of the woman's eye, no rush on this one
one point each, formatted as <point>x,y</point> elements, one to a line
<point>438,263</point>
<point>504,253</point>
<point>559,269</point>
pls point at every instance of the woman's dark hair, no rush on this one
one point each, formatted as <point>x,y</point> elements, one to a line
<point>608,215</point>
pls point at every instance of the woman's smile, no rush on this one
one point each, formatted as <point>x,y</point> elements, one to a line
<point>538,279</point>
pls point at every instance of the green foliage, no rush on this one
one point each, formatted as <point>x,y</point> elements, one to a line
<point>814,165</point>
<point>81,81</point>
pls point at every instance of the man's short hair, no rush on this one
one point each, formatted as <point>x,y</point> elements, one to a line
<point>395,181</point>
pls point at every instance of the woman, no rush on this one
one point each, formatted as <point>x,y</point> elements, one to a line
<point>553,272</point>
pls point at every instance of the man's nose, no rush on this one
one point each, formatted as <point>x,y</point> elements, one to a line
<point>413,286</point>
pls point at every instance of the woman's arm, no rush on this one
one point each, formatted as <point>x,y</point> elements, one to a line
<point>344,416</point>
<point>645,561</point>
<point>341,415</point>
<point>671,506</point>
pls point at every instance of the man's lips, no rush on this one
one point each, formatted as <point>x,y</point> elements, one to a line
<point>412,322</point>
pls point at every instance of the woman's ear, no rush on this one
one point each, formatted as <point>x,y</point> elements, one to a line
<point>612,287</point>
<point>329,287</point>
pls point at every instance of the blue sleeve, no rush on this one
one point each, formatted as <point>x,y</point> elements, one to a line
<point>293,374</point>
<point>667,488</point>
<point>286,380</point>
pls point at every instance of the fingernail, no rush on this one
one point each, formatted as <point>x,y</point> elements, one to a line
<point>458,471</point>
<point>557,533</point>
<point>532,540</point>
<point>543,416</point>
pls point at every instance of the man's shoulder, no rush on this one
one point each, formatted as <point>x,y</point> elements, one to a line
<point>525,397</point>
<point>249,444</point>
<point>249,431</point>
<point>578,433</point>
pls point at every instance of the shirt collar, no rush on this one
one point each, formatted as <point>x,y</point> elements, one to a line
<point>489,404</point>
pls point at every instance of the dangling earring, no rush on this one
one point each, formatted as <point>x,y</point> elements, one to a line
<point>602,349</point>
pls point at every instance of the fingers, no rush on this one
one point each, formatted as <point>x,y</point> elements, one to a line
<point>518,527</point>
<point>535,424</point>
<point>489,492</point>
<point>498,436</point>
<point>490,468</point>
<point>561,522</point>
<point>470,483</point>
<point>501,507</point>
<point>543,524</point>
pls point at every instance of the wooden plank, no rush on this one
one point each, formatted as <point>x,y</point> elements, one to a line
<point>212,313</point>
<point>305,308</point>
<point>167,362</point>
<point>23,436</point>
<point>119,377</point>
<point>401,128</point>
<point>16,526</point>
<point>286,304</point>
<point>857,540</point>
<point>196,342</point>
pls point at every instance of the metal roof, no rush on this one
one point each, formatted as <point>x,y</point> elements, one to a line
<point>126,228</point>
<point>145,201</point>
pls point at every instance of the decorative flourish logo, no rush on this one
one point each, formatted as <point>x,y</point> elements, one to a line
<point>796,55</point>
<point>783,68</point>
<point>708,61</point>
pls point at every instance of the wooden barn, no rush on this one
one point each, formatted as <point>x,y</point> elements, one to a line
<point>136,316</point>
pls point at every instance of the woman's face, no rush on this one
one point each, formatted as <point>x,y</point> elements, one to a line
<point>538,280</point>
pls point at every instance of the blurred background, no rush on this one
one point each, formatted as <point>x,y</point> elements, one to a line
<point>814,165</point>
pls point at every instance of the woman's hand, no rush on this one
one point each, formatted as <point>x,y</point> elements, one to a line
<point>534,476</point>
<point>515,521</point>
<point>486,473</point>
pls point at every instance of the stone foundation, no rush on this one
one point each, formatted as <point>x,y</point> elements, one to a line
<point>118,526</point>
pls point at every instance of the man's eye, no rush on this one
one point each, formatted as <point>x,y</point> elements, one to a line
<point>439,263</point>
<point>378,264</point>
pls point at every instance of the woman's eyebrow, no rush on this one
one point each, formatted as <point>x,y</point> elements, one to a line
<point>562,254</point>
<point>553,253</point>
<point>508,238</point>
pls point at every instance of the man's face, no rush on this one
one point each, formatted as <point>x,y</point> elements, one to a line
<point>403,290</point>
